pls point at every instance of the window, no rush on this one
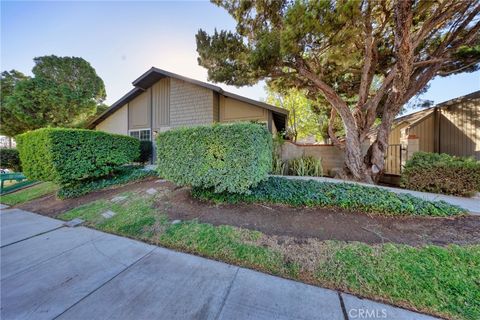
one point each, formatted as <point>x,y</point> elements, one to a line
<point>142,135</point>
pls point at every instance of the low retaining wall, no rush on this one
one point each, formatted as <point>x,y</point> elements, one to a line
<point>332,157</point>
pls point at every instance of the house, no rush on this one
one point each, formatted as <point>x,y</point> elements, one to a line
<point>161,100</point>
<point>451,127</point>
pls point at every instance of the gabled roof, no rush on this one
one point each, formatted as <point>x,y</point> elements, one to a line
<point>150,77</point>
<point>418,115</point>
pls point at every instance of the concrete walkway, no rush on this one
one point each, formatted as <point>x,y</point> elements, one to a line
<point>49,271</point>
<point>470,204</point>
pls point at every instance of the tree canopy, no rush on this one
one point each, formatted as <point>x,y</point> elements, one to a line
<point>365,58</point>
<point>63,92</point>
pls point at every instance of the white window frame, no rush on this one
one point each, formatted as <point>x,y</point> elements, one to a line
<point>138,130</point>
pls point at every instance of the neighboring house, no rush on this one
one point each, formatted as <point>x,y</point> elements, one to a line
<point>451,127</point>
<point>161,100</point>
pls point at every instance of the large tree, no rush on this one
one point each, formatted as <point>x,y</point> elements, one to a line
<point>64,92</point>
<point>376,53</point>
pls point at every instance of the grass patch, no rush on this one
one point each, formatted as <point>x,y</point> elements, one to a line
<point>339,195</point>
<point>121,176</point>
<point>440,280</point>
<point>29,193</point>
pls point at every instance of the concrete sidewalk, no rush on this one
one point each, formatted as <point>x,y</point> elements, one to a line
<point>49,271</point>
<point>470,204</point>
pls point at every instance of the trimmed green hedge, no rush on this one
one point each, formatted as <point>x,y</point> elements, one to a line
<point>442,173</point>
<point>9,159</point>
<point>340,195</point>
<point>121,176</point>
<point>224,157</point>
<point>68,156</point>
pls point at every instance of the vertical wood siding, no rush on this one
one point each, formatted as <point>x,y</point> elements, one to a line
<point>460,129</point>
<point>139,111</point>
<point>424,130</point>
<point>161,103</point>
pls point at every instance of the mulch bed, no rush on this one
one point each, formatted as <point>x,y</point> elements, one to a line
<point>279,220</point>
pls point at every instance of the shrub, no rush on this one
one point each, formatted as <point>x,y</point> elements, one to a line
<point>340,195</point>
<point>442,173</point>
<point>225,157</point>
<point>120,176</point>
<point>305,166</point>
<point>9,159</point>
<point>146,149</point>
<point>67,156</point>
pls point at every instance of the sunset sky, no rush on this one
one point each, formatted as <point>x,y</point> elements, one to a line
<point>123,39</point>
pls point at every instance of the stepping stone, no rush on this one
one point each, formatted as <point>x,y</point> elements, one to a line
<point>74,223</point>
<point>118,198</point>
<point>3,206</point>
<point>151,191</point>
<point>176,221</point>
<point>108,214</point>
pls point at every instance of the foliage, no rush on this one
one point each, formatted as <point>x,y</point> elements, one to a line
<point>225,157</point>
<point>444,279</point>
<point>146,149</point>
<point>278,166</point>
<point>303,119</point>
<point>121,175</point>
<point>28,194</point>
<point>348,196</point>
<point>441,280</point>
<point>68,156</point>
<point>305,166</point>
<point>365,58</point>
<point>9,159</point>
<point>442,173</point>
<point>64,92</point>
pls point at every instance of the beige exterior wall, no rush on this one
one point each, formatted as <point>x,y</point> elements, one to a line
<point>161,104</point>
<point>396,134</point>
<point>235,110</point>
<point>216,107</point>
<point>332,157</point>
<point>116,122</point>
<point>460,129</point>
<point>139,111</point>
<point>425,131</point>
<point>189,104</point>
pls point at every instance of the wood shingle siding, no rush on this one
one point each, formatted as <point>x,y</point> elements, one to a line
<point>189,104</point>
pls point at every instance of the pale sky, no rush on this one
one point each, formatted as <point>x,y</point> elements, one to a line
<point>123,39</point>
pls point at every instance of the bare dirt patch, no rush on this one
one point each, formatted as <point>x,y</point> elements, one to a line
<point>322,223</point>
<point>286,225</point>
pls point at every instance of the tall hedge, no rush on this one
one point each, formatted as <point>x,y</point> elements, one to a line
<point>442,173</point>
<point>9,159</point>
<point>225,157</point>
<point>69,156</point>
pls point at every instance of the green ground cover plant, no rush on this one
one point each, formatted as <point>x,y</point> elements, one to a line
<point>121,175</point>
<point>339,195</point>
<point>29,193</point>
<point>442,173</point>
<point>438,280</point>
<point>224,157</point>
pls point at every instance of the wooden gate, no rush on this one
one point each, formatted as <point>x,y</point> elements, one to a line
<point>393,160</point>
